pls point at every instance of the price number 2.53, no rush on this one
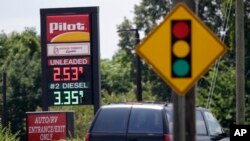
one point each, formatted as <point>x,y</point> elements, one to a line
<point>67,73</point>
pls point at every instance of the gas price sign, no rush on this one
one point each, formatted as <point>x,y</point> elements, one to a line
<point>69,84</point>
<point>70,56</point>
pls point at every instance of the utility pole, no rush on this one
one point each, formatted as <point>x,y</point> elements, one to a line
<point>240,63</point>
<point>4,110</point>
<point>138,64</point>
<point>179,127</point>
<point>184,106</point>
<point>138,69</point>
<point>190,96</point>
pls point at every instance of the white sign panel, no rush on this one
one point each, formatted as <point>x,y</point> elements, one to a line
<point>68,49</point>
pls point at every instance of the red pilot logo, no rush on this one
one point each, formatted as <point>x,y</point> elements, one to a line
<point>65,27</point>
<point>68,28</point>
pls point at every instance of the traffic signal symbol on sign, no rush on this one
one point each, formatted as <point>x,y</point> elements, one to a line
<point>181,61</point>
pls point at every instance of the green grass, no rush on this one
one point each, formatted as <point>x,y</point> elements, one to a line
<point>6,135</point>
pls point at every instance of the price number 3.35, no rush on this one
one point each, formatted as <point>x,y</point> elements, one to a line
<point>68,97</point>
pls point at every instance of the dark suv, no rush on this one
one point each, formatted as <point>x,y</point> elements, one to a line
<point>143,122</point>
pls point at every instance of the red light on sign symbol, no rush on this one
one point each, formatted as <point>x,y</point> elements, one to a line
<point>181,30</point>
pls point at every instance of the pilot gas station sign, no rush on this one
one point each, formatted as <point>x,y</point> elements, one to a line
<point>70,56</point>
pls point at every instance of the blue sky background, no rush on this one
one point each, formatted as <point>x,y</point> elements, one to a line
<point>15,15</point>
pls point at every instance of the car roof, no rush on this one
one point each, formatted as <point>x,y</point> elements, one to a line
<point>135,105</point>
<point>170,106</point>
<point>146,105</point>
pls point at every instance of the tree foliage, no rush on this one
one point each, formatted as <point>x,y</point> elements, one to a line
<point>223,101</point>
<point>147,14</point>
<point>21,61</point>
<point>116,76</point>
<point>220,100</point>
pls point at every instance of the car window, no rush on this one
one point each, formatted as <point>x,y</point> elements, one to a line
<point>112,120</point>
<point>213,125</point>
<point>145,121</point>
<point>170,120</point>
<point>200,123</point>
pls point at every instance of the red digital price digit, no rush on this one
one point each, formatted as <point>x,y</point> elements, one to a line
<point>56,74</point>
<point>75,72</point>
<point>66,73</point>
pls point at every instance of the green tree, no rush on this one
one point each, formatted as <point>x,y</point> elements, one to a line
<point>116,76</point>
<point>21,62</point>
<point>220,106</point>
<point>247,54</point>
<point>222,99</point>
<point>147,14</point>
<point>217,87</point>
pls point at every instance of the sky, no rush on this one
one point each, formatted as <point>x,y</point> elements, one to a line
<point>15,15</point>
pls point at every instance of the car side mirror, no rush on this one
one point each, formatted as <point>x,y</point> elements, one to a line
<point>219,136</point>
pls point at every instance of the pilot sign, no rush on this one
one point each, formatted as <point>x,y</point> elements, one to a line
<point>69,55</point>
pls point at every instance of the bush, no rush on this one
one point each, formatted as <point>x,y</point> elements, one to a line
<point>6,135</point>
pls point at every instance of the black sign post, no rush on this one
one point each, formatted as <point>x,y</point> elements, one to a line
<point>70,57</point>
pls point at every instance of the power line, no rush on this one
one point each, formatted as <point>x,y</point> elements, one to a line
<point>217,64</point>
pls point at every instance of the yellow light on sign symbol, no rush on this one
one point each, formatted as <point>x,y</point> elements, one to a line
<point>181,49</point>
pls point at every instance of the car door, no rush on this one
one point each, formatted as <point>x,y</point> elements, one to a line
<point>145,124</point>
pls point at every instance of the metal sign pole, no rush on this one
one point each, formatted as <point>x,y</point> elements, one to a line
<point>178,111</point>
<point>190,115</point>
<point>190,98</point>
<point>184,106</point>
<point>179,117</point>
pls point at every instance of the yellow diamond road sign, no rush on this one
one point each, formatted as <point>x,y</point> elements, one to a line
<point>181,49</point>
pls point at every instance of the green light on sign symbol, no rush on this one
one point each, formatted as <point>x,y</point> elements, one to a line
<point>181,67</point>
